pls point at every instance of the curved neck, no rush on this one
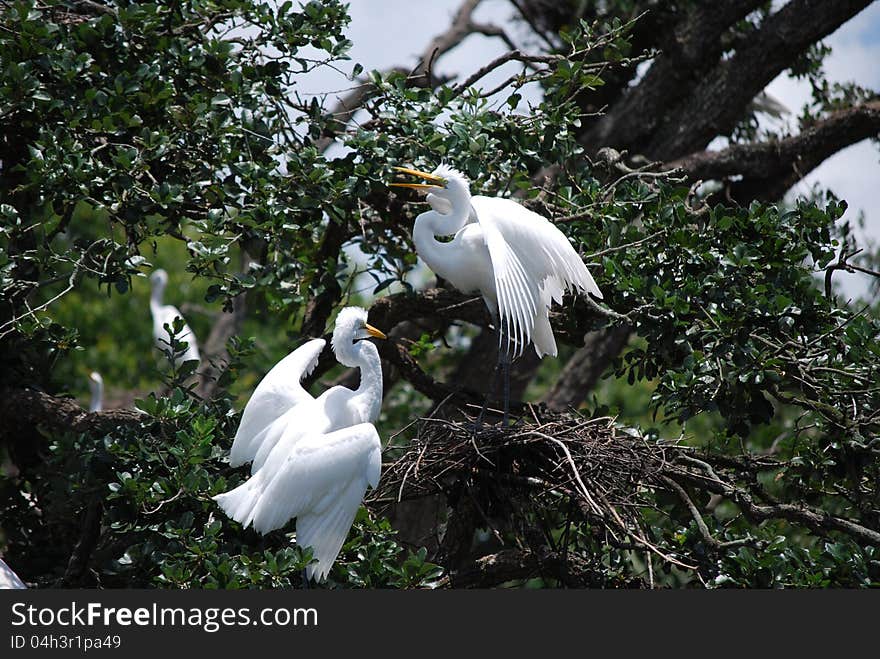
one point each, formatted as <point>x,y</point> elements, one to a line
<point>156,294</point>
<point>365,356</point>
<point>434,223</point>
<point>97,396</point>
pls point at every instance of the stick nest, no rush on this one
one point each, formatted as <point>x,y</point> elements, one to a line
<point>605,471</point>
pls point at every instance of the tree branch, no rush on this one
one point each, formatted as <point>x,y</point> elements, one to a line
<point>719,99</point>
<point>88,539</point>
<point>461,27</point>
<point>769,169</point>
<point>583,370</point>
<point>23,410</point>
<point>321,304</point>
<point>694,47</point>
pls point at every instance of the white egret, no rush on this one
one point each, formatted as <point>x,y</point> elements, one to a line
<point>164,314</point>
<point>312,457</point>
<point>515,258</point>
<point>96,387</point>
<point>9,579</point>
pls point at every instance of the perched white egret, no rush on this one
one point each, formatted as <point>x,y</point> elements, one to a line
<point>312,457</point>
<point>516,259</point>
<point>9,579</point>
<point>96,387</point>
<point>165,314</point>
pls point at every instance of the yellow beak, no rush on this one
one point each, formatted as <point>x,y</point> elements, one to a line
<point>372,331</point>
<point>433,181</point>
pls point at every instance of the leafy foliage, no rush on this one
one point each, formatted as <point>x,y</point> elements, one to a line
<point>142,135</point>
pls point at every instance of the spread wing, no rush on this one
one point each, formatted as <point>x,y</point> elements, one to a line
<point>8,578</point>
<point>320,480</point>
<point>533,262</point>
<point>278,392</point>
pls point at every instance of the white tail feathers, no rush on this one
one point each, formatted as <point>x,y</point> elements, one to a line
<point>317,478</point>
<point>241,503</point>
<point>543,339</point>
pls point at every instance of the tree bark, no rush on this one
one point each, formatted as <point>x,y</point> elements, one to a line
<point>769,169</point>
<point>584,369</point>
<point>694,47</point>
<point>719,100</point>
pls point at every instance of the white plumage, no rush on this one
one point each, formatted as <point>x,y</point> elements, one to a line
<point>313,458</point>
<point>516,259</point>
<point>96,388</point>
<point>165,314</point>
<point>8,579</point>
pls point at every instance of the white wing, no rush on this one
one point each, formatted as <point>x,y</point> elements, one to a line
<point>9,579</point>
<point>320,480</point>
<point>534,265</point>
<point>277,394</point>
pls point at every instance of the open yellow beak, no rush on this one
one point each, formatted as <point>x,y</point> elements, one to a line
<point>433,181</point>
<point>372,331</point>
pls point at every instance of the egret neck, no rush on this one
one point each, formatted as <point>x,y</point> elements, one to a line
<point>436,254</point>
<point>157,292</point>
<point>365,356</point>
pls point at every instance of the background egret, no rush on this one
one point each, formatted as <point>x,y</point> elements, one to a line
<point>96,387</point>
<point>165,314</point>
<point>312,457</point>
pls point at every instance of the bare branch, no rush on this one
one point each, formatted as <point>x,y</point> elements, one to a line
<point>722,94</point>
<point>694,47</point>
<point>461,27</point>
<point>769,169</point>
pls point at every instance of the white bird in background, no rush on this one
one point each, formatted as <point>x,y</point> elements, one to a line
<point>165,314</point>
<point>516,259</point>
<point>8,579</point>
<point>96,386</point>
<point>312,457</point>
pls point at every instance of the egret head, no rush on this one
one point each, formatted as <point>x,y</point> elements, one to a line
<point>159,279</point>
<point>352,326</point>
<point>444,182</point>
<point>96,378</point>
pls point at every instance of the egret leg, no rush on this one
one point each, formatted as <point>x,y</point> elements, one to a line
<point>305,580</point>
<point>478,425</point>
<point>504,361</point>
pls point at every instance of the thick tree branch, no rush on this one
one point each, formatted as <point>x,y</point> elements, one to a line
<point>445,303</point>
<point>23,410</point>
<point>321,303</point>
<point>769,169</point>
<point>719,100</point>
<point>78,564</point>
<point>694,47</point>
<point>214,352</point>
